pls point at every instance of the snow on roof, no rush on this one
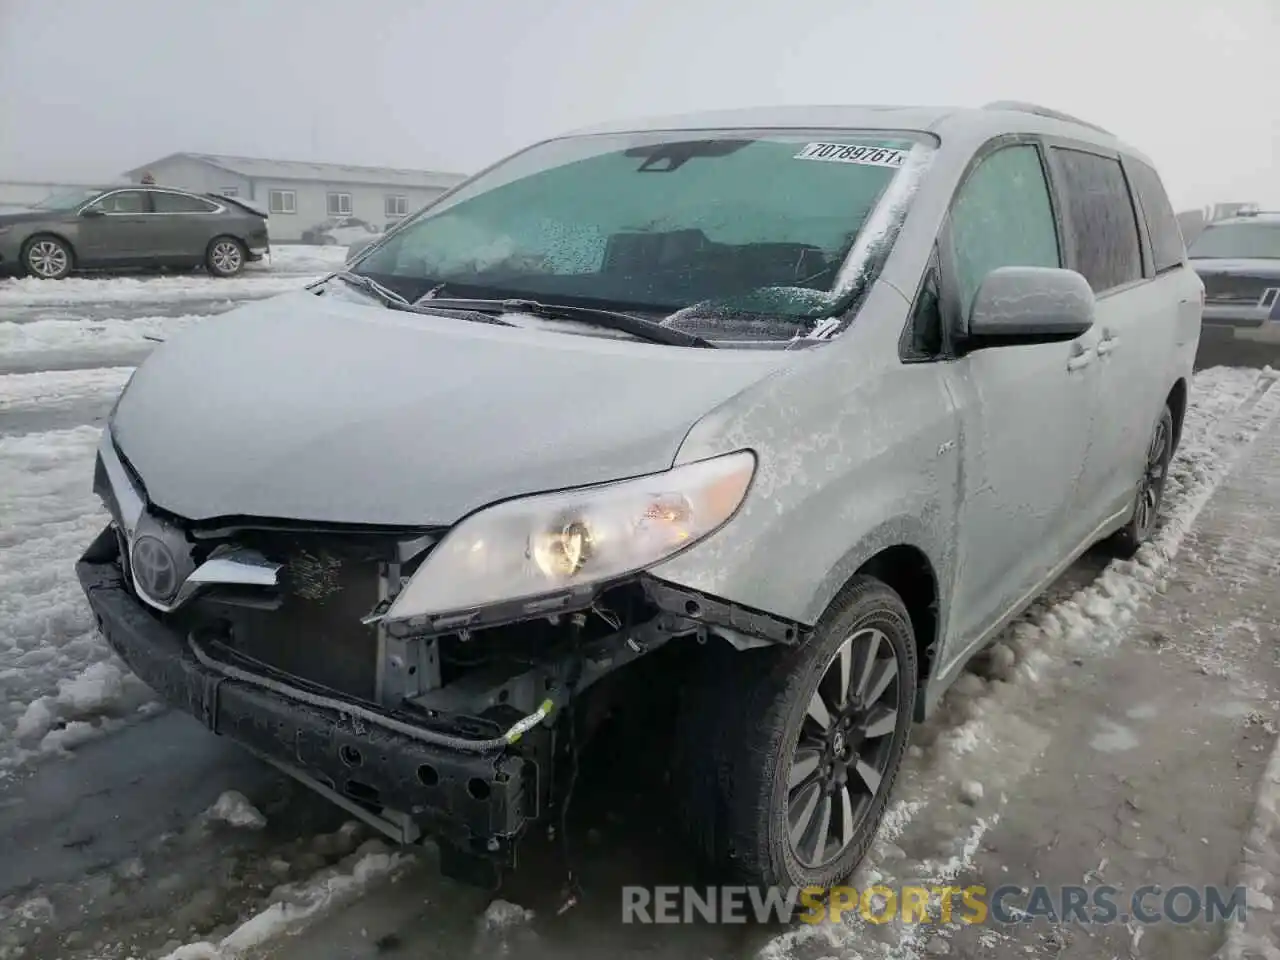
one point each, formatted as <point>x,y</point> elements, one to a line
<point>257,168</point>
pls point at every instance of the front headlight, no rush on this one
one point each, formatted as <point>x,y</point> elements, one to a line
<point>544,544</point>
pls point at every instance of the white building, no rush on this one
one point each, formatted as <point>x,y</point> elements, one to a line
<point>298,195</point>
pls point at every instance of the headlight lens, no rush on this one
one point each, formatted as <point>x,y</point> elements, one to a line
<point>539,545</point>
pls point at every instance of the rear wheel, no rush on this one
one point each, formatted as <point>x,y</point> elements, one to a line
<point>1150,494</point>
<point>794,752</point>
<point>225,257</point>
<point>47,258</point>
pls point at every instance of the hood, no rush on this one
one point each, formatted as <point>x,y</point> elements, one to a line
<point>23,215</point>
<point>326,410</point>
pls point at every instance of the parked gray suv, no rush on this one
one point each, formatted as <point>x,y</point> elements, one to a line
<point>780,413</point>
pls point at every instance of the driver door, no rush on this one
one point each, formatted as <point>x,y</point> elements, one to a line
<point>1027,410</point>
<point>117,228</point>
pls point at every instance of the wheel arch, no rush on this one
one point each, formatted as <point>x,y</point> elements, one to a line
<point>895,553</point>
<point>907,570</point>
<point>60,237</point>
<point>1177,404</point>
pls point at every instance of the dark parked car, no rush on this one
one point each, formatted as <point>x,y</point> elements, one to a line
<point>1239,261</point>
<point>132,226</point>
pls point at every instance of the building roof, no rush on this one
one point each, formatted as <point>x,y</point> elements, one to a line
<point>257,168</point>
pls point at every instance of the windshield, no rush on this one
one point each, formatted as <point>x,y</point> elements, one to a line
<point>1238,241</point>
<point>65,199</point>
<point>748,224</point>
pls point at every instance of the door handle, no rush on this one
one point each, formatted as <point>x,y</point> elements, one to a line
<point>1079,359</point>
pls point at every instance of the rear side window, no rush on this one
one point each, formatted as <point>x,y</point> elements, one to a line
<point>1002,217</point>
<point>180,203</point>
<point>1103,225</point>
<point>1168,248</point>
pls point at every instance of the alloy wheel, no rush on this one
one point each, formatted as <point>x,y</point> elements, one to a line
<point>1151,487</point>
<point>47,259</point>
<point>226,256</point>
<point>844,748</point>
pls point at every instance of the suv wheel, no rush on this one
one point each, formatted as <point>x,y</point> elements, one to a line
<point>794,752</point>
<point>1150,494</point>
<point>47,258</point>
<point>225,257</point>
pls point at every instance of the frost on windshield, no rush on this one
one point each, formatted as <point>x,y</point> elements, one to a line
<point>773,311</point>
<point>755,225</point>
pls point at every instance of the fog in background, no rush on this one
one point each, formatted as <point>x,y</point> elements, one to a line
<point>93,87</point>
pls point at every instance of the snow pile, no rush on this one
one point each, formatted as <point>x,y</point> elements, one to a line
<point>59,682</point>
<point>502,915</point>
<point>233,808</point>
<point>294,905</point>
<point>30,292</point>
<point>85,706</point>
<point>301,258</point>
<point>28,345</point>
<point>60,388</point>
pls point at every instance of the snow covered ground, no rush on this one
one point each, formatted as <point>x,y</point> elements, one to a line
<point>248,869</point>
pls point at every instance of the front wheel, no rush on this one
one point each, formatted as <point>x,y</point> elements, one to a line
<point>806,744</point>
<point>1150,493</point>
<point>225,257</point>
<point>47,258</point>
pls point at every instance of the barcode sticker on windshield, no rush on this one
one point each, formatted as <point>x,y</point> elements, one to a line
<point>853,153</point>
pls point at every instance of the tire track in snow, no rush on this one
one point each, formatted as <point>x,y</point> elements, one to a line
<point>57,400</point>
<point>77,344</point>
<point>27,292</point>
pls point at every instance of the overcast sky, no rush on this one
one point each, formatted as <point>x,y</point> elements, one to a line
<point>92,87</point>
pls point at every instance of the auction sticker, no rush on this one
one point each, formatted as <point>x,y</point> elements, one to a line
<point>853,153</point>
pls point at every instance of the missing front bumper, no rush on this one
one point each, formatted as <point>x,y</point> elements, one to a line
<point>479,803</point>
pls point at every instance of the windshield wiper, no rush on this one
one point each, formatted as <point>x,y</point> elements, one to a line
<point>370,286</point>
<point>395,301</point>
<point>609,319</point>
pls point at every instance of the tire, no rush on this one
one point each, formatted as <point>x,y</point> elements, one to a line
<point>47,257</point>
<point>225,257</point>
<point>752,756</point>
<point>1126,541</point>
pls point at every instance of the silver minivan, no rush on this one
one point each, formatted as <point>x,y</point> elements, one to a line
<point>780,413</point>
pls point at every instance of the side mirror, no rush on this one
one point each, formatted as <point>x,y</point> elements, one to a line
<point>92,212</point>
<point>1025,305</point>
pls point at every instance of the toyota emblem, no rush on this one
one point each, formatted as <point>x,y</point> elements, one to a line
<point>154,569</point>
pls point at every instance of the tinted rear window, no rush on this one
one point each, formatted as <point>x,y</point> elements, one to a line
<point>1167,247</point>
<point>1104,227</point>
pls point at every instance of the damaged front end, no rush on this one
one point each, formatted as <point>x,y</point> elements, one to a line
<point>416,677</point>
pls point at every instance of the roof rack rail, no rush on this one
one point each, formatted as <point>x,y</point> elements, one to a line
<point>1040,111</point>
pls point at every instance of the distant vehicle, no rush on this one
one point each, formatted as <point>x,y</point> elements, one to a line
<point>131,226</point>
<point>340,232</point>
<point>1238,259</point>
